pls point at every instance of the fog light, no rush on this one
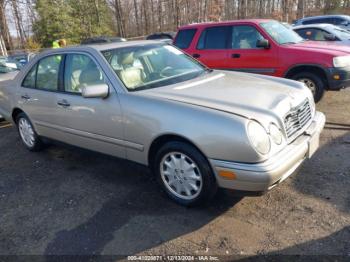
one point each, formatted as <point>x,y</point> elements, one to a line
<point>336,77</point>
<point>227,174</point>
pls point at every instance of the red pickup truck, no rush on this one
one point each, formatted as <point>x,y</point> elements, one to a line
<point>267,47</point>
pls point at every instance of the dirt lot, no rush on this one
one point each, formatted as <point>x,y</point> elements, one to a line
<point>69,201</point>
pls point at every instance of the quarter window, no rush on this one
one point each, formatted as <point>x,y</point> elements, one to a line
<point>184,38</point>
<point>245,37</point>
<point>47,73</point>
<point>214,38</point>
<point>81,71</point>
<point>29,80</point>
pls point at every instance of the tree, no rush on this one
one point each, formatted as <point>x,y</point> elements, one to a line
<point>73,20</point>
<point>18,22</point>
<point>4,29</point>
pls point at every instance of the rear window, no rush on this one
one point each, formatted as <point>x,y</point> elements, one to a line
<point>184,38</point>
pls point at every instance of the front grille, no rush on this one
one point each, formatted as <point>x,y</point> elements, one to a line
<point>297,118</point>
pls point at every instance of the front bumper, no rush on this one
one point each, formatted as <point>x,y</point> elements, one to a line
<point>344,78</point>
<point>264,176</point>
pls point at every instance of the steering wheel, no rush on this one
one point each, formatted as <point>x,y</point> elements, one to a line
<point>164,71</point>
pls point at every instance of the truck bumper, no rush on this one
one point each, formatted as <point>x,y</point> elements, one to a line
<point>260,177</point>
<point>338,78</point>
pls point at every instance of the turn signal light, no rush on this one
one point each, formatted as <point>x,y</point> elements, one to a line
<point>227,174</point>
<point>336,77</point>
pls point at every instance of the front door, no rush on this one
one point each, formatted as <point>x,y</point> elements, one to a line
<point>92,123</point>
<point>244,55</point>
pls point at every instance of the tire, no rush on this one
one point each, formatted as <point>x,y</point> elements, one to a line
<point>193,187</point>
<point>311,79</point>
<point>27,133</point>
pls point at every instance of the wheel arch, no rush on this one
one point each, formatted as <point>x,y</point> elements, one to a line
<point>310,68</point>
<point>15,112</point>
<point>161,140</point>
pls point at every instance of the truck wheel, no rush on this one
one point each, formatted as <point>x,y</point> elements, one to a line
<point>184,174</point>
<point>313,82</point>
<point>29,137</point>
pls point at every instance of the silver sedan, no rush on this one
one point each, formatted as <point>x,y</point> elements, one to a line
<point>148,102</point>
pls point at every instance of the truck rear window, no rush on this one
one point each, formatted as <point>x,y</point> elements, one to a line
<point>184,38</point>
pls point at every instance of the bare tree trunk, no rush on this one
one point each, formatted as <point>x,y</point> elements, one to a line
<point>153,27</point>
<point>160,23</point>
<point>18,22</point>
<point>144,8</point>
<point>97,12</point>
<point>4,29</point>
<point>300,9</point>
<point>137,18</point>
<point>118,17</point>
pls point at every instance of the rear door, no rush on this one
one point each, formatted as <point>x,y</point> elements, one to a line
<point>212,47</point>
<point>244,55</point>
<point>37,95</point>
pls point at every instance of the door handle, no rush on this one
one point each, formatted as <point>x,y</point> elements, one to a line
<point>63,103</point>
<point>235,55</point>
<point>25,97</point>
<point>196,55</point>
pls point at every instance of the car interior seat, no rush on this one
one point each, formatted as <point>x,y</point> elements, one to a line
<point>91,75</point>
<point>129,74</point>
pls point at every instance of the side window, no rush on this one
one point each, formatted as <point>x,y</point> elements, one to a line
<point>29,80</point>
<point>47,73</point>
<point>214,38</point>
<point>184,38</point>
<point>312,34</point>
<point>81,71</point>
<point>245,37</point>
<point>319,35</point>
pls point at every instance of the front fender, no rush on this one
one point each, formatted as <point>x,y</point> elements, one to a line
<point>218,135</point>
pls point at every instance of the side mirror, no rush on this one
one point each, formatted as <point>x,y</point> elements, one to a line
<point>329,37</point>
<point>93,91</point>
<point>263,43</point>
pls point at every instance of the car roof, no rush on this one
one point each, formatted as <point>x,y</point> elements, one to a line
<point>322,16</point>
<point>102,46</point>
<point>323,26</point>
<point>205,24</point>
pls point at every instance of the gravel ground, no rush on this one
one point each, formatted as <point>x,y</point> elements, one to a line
<point>69,201</point>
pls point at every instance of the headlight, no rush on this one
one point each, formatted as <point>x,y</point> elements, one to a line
<point>259,137</point>
<point>276,134</point>
<point>341,61</point>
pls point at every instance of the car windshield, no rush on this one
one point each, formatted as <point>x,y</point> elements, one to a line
<point>151,66</point>
<point>9,65</point>
<point>280,33</point>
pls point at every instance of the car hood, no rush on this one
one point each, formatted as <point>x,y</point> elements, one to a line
<point>8,76</point>
<point>243,94</point>
<point>325,46</point>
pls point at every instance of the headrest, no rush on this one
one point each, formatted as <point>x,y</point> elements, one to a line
<point>90,75</point>
<point>126,59</point>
